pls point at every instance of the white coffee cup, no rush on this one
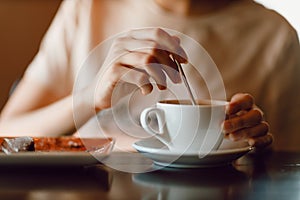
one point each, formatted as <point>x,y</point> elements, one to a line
<point>185,128</point>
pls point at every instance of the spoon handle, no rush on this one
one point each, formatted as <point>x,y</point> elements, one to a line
<point>184,79</point>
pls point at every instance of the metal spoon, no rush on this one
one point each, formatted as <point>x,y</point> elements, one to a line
<point>183,77</point>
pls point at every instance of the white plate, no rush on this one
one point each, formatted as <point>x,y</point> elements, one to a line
<point>56,158</point>
<point>155,150</point>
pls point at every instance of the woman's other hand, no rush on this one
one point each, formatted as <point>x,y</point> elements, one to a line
<point>245,121</point>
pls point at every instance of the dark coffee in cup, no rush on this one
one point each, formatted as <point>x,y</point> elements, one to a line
<point>199,102</point>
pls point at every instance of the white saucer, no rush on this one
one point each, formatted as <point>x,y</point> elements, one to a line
<point>155,150</point>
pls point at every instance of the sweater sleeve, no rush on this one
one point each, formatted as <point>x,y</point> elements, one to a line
<point>283,100</point>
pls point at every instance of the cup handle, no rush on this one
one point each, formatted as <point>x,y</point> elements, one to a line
<point>161,134</point>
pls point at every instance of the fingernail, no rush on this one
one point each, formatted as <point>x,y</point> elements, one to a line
<point>161,87</point>
<point>251,142</point>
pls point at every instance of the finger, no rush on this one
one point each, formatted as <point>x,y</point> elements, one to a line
<point>177,39</point>
<point>163,38</point>
<point>164,62</point>
<point>156,53</point>
<point>178,57</point>
<point>146,64</point>
<point>240,102</point>
<point>155,71</point>
<point>261,141</point>
<point>140,81</point>
<point>169,66</point>
<point>256,131</point>
<point>136,77</point>
<point>249,119</point>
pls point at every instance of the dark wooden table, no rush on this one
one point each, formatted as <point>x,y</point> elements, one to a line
<point>272,175</point>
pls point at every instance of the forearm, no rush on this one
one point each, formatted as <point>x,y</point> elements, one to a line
<point>52,120</point>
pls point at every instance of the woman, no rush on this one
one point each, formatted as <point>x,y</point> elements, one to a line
<point>249,44</point>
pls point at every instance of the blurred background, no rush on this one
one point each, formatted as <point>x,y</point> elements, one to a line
<point>24,22</point>
<point>22,26</point>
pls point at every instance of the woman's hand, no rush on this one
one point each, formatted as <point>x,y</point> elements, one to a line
<point>244,121</point>
<point>136,57</point>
